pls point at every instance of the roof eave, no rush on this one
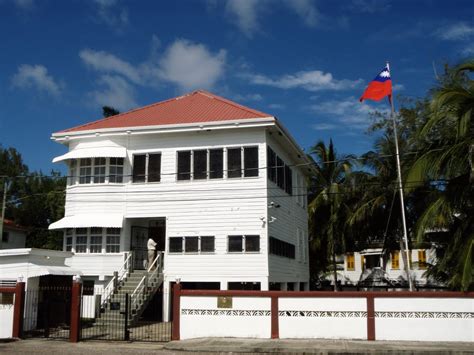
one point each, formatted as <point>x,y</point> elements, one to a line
<point>172,128</point>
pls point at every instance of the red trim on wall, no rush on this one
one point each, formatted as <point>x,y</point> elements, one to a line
<point>74,330</point>
<point>275,321</point>
<point>329,294</point>
<point>176,311</point>
<point>370,319</point>
<point>18,310</point>
<point>7,289</point>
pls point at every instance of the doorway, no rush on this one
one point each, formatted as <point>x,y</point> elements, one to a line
<point>140,232</point>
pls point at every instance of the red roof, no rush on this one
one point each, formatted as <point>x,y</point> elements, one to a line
<point>9,224</point>
<point>195,107</point>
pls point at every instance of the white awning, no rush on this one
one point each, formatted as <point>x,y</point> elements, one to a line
<point>34,270</point>
<point>89,220</point>
<point>98,152</point>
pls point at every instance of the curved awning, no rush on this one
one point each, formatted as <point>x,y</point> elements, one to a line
<point>27,270</point>
<point>97,152</point>
<point>105,220</point>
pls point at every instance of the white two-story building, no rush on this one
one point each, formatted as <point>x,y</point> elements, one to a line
<point>221,187</point>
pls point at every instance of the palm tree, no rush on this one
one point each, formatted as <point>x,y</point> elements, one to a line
<point>447,142</point>
<point>328,209</point>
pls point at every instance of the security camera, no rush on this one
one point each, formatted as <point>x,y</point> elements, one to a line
<point>273,205</point>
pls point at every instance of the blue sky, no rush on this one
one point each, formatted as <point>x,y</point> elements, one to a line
<point>306,62</point>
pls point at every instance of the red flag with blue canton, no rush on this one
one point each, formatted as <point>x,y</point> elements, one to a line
<point>378,88</point>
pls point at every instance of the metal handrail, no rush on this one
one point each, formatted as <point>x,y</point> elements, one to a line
<point>118,276</point>
<point>142,286</point>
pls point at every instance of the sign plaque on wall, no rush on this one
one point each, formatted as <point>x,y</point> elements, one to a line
<point>224,302</point>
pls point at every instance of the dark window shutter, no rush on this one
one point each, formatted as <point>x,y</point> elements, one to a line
<point>154,167</point>
<point>251,161</point>
<point>184,165</point>
<point>139,162</point>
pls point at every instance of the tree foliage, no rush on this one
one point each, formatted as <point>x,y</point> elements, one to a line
<point>33,199</point>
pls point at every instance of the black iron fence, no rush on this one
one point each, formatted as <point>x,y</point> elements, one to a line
<point>47,312</point>
<point>113,317</point>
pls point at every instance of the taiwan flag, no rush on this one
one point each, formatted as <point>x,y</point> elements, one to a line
<point>378,88</point>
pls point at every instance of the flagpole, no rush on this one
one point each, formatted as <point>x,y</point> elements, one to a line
<point>400,188</point>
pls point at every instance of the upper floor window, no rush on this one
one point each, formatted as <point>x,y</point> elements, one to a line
<point>279,172</point>
<point>281,248</point>
<point>147,167</point>
<point>201,164</point>
<point>204,164</point>
<point>395,260</point>
<point>91,240</point>
<point>95,170</point>
<point>243,243</point>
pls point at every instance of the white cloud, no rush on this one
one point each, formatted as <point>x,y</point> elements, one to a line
<point>276,106</point>
<point>248,97</point>
<point>469,50</point>
<point>191,65</point>
<point>25,4</point>
<point>37,77</point>
<point>247,14</point>
<point>346,112</point>
<point>109,63</point>
<point>458,31</point>
<point>323,126</point>
<point>398,87</point>
<point>244,14</point>
<point>115,91</point>
<point>369,6</point>
<point>306,10</point>
<point>109,12</point>
<point>311,80</point>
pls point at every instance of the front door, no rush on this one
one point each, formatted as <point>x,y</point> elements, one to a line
<point>138,247</point>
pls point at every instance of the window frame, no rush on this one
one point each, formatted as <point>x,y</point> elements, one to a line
<point>146,175</point>
<point>184,244</point>
<point>243,241</point>
<point>110,240</point>
<point>350,262</point>
<point>74,172</point>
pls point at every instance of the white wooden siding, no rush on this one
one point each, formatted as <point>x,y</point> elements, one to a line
<point>289,217</point>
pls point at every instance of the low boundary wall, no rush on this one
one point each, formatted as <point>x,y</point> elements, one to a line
<point>422,316</point>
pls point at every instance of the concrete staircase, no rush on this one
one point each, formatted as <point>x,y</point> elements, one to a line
<point>140,286</point>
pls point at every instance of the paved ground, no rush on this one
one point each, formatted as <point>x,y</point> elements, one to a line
<point>206,346</point>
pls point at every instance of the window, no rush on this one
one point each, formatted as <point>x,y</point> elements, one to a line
<point>99,170</point>
<point>72,172</point>
<point>199,164</point>
<point>5,237</point>
<point>96,240</point>
<point>279,172</point>
<point>235,243</point>
<point>350,262</point>
<point>184,165</point>
<point>116,170</point>
<point>191,244</point>
<point>422,259</point>
<point>216,163</point>
<point>243,243</point>
<point>85,171</point>
<point>112,240</point>
<point>207,244</point>
<point>147,167</point>
<point>234,162</point>
<point>176,245</point>
<point>281,248</point>
<point>395,260</point>
<point>88,287</point>
<point>81,240</point>
<point>194,244</point>
<point>251,161</point>
<point>69,236</point>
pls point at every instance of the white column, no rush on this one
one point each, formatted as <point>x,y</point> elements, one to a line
<point>223,286</point>
<point>296,286</point>
<point>306,286</point>
<point>283,286</point>
<point>264,284</point>
<point>166,301</point>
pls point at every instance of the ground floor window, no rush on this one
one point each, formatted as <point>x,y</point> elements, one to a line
<point>91,240</point>
<point>192,244</point>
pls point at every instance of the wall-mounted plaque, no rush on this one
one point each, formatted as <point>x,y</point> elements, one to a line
<point>224,302</point>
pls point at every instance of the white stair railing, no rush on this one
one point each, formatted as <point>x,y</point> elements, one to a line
<point>140,293</point>
<point>118,276</point>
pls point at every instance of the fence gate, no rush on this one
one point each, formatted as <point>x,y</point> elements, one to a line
<point>106,317</point>
<point>47,312</point>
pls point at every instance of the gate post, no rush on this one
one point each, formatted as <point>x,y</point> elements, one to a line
<point>370,318</point>
<point>176,311</point>
<point>274,316</point>
<point>75,327</point>
<point>18,310</point>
